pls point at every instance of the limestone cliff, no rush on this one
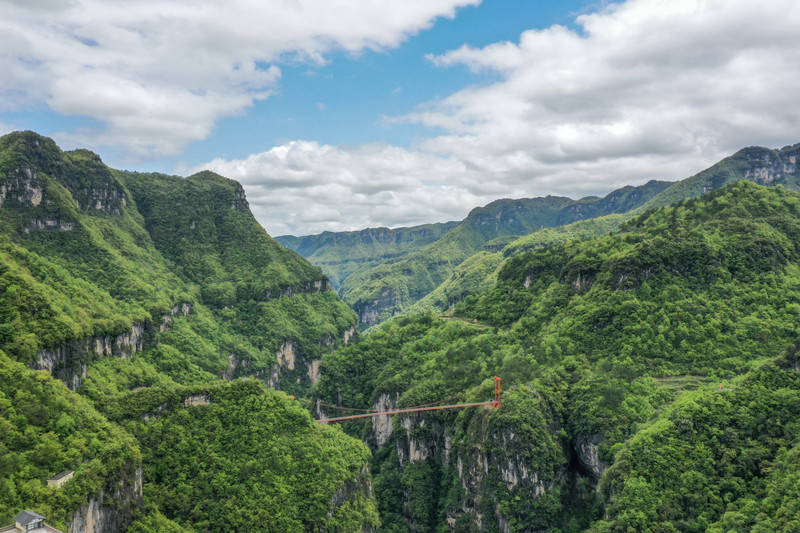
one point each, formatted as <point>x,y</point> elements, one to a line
<point>113,508</point>
<point>70,362</point>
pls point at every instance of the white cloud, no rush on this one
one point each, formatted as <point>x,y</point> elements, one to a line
<point>160,73</point>
<point>646,89</point>
<point>303,186</point>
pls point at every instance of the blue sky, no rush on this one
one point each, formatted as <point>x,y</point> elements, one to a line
<point>345,101</point>
<point>345,114</point>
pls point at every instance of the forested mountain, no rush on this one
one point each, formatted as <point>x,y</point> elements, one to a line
<point>649,359</point>
<point>650,382</point>
<point>479,272</point>
<point>387,289</point>
<point>115,282</point>
<point>343,253</point>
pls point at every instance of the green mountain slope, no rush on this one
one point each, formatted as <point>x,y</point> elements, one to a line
<point>385,290</point>
<point>479,272</point>
<point>100,262</point>
<point>717,460</point>
<point>343,253</point>
<point>46,429</point>
<point>599,342</point>
<point>116,282</point>
<point>759,165</point>
<point>236,457</point>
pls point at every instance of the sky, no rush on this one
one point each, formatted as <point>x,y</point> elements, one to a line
<point>344,114</point>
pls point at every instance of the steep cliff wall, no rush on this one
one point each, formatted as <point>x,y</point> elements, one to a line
<point>486,469</point>
<point>70,362</point>
<point>113,508</point>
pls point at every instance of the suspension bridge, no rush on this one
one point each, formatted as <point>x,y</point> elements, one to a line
<point>416,409</point>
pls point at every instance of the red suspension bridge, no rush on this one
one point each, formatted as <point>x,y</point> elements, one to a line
<point>419,408</point>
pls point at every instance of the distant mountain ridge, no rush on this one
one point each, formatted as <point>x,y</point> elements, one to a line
<point>416,283</point>
<point>342,253</point>
<point>388,289</point>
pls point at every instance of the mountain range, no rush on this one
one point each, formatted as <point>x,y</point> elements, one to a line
<point>156,342</point>
<point>377,292</point>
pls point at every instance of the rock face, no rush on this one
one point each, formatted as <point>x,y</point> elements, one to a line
<point>70,362</point>
<point>113,508</point>
<point>290,361</point>
<point>197,399</point>
<point>772,168</point>
<point>285,355</point>
<point>349,334</point>
<point>586,449</point>
<point>359,487</point>
<point>382,425</point>
<point>313,371</point>
<point>308,287</point>
<point>492,465</point>
<point>369,312</point>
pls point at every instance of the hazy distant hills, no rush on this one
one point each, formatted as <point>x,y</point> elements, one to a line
<point>391,285</point>
<point>342,253</point>
<point>436,275</point>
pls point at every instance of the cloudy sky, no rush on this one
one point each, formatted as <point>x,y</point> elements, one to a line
<point>342,114</point>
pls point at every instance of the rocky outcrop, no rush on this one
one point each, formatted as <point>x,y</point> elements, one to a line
<point>382,425</point>
<point>494,462</point>
<point>197,399</point>
<point>48,224</point>
<point>181,309</point>
<point>69,362</point>
<point>360,487</point>
<point>239,199</point>
<point>587,451</point>
<point>369,312</point>
<point>349,334</point>
<point>113,508</point>
<point>772,169</point>
<point>22,188</point>
<point>307,287</point>
<point>234,364</point>
<point>286,356</point>
<point>291,363</point>
<point>313,371</point>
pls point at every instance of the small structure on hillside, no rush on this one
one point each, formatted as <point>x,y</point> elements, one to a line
<point>60,478</point>
<point>29,522</point>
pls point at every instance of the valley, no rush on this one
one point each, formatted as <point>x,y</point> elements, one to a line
<point>158,343</point>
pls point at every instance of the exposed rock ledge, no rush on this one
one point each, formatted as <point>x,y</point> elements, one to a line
<point>586,448</point>
<point>70,362</point>
<point>308,287</point>
<point>113,508</point>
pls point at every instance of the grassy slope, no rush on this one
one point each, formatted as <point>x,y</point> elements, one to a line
<point>341,254</point>
<point>706,290</point>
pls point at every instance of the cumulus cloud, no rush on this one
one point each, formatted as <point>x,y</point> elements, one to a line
<point>642,89</point>
<point>304,186</point>
<point>158,74</point>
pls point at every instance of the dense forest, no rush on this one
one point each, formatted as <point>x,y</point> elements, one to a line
<point>121,283</point>
<point>649,386</point>
<point>157,342</point>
